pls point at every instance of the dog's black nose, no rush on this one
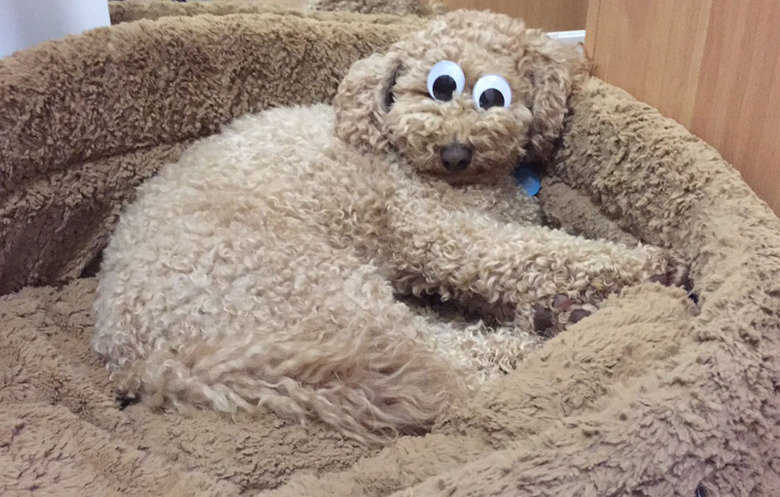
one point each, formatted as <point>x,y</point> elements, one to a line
<point>455,157</point>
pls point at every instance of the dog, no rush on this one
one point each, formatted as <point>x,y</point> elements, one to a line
<point>267,268</point>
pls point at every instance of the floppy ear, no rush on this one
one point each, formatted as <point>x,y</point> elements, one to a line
<point>556,70</point>
<point>364,97</point>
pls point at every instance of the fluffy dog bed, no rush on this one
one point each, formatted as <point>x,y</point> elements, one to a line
<point>652,395</point>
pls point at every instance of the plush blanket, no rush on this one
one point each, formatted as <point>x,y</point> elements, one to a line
<point>652,395</point>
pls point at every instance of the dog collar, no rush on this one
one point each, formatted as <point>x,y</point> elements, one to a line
<point>528,180</point>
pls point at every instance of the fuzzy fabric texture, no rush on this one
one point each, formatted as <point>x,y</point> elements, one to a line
<point>135,10</point>
<point>263,268</point>
<point>397,7</point>
<point>81,112</point>
<point>649,396</point>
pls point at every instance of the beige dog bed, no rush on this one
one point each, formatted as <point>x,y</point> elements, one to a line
<point>652,395</point>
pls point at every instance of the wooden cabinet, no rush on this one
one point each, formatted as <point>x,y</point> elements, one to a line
<point>712,65</point>
<point>551,15</point>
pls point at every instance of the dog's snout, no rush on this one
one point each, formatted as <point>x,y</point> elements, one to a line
<point>456,157</point>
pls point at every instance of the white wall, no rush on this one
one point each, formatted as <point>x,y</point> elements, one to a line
<point>572,37</point>
<point>24,23</point>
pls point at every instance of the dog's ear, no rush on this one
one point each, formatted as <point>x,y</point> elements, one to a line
<point>364,98</point>
<point>556,70</point>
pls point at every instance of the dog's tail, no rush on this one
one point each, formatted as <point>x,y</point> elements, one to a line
<point>372,387</point>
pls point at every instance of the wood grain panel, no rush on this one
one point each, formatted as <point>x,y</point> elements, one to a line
<point>592,20</point>
<point>738,102</point>
<point>661,67</point>
<point>550,15</point>
<point>712,65</point>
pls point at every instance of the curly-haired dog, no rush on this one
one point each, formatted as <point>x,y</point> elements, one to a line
<point>262,269</point>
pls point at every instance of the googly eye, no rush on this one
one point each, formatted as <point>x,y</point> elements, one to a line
<point>445,80</point>
<point>492,91</point>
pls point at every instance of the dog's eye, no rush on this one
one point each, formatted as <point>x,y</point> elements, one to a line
<point>446,80</point>
<point>492,91</point>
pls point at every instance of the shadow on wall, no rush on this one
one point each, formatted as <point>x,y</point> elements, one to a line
<point>24,23</point>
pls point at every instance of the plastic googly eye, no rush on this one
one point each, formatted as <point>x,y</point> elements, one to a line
<point>445,80</point>
<point>492,90</point>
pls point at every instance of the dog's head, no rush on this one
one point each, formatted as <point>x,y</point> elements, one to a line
<point>465,99</point>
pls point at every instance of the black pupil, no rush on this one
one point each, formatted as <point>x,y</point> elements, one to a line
<point>444,87</point>
<point>491,98</point>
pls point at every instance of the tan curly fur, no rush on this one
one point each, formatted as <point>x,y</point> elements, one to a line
<point>395,7</point>
<point>263,269</point>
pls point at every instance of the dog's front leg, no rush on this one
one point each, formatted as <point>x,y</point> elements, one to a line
<point>467,255</point>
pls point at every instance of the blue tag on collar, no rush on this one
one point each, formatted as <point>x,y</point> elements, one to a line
<point>528,180</point>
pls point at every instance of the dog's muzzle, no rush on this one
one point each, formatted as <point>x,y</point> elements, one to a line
<point>456,157</point>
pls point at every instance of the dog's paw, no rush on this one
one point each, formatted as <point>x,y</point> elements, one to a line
<point>549,321</point>
<point>675,272</point>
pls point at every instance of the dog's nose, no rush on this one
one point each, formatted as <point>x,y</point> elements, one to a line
<point>456,157</point>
